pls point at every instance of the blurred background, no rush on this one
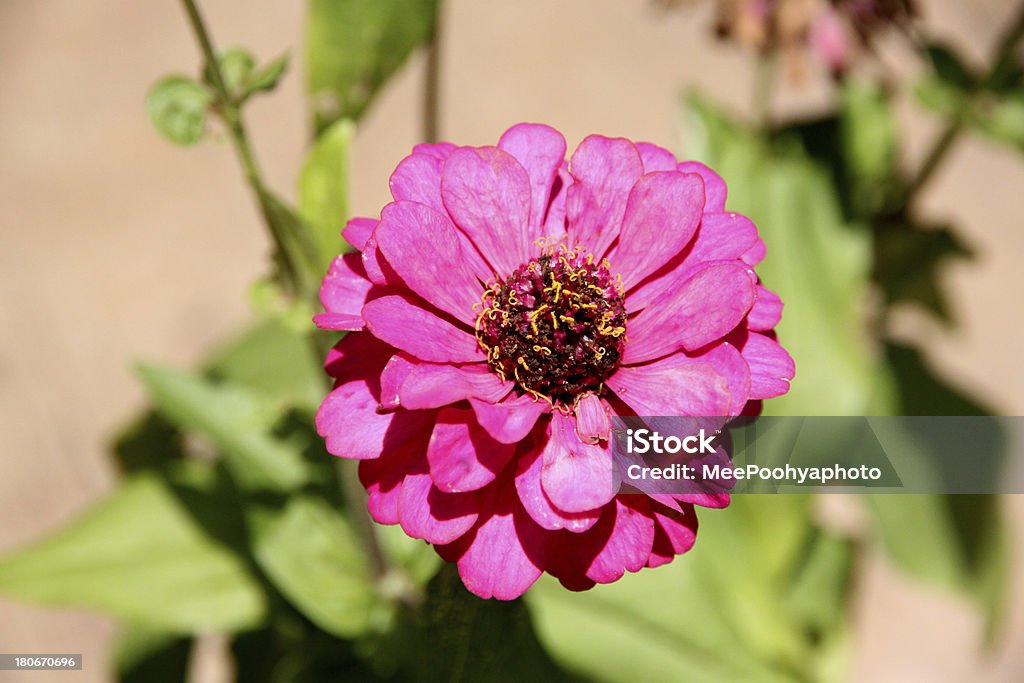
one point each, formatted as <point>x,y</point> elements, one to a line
<point>116,247</point>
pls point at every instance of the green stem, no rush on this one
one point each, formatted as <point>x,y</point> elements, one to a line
<point>298,262</point>
<point>432,82</point>
<point>295,257</point>
<point>944,143</point>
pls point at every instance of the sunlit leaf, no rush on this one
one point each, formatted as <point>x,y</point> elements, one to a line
<point>725,611</point>
<point>236,65</point>
<point>146,655</point>
<point>323,188</point>
<point>354,46</point>
<point>238,422</point>
<point>141,555</point>
<point>314,558</point>
<point>267,77</point>
<point>177,107</point>
<point>868,139</point>
<point>294,377</point>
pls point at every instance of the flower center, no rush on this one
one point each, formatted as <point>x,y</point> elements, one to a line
<point>556,325</point>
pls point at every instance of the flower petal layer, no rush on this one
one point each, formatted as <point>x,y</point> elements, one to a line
<point>423,247</point>
<point>400,322</point>
<point>487,194</point>
<point>662,214</point>
<point>604,170</point>
<point>705,307</point>
<point>576,476</point>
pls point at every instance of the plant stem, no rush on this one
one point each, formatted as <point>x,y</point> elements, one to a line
<point>432,81</point>
<point>944,143</point>
<point>298,263</point>
<point>293,255</point>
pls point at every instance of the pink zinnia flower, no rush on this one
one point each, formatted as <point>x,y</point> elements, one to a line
<point>502,308</point>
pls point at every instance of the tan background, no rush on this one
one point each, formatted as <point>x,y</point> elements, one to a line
<point>115,246</point>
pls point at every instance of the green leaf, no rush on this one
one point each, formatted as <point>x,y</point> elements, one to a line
<point>238,422</point>
<point>918,536</point>
<point>724,611</point>
<point>817,262</point>
<point>236,65</point>
<point>177,107</point>
<point>140,555</point>
<point>354,46</point>
<point>957,541</point>
<point>1002,119</point>
<point>323,188</point>
<point>313,557</point>
<point>145,655</point>
<point>909,262</point>
<point>941,97</point>
<point>950,68</point>
<point>267,78</point>
<point>868,139</point>
<point>295,377</point>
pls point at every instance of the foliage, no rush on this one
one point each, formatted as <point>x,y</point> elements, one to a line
<point>231,517</point>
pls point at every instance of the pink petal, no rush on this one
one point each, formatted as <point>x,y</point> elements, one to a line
<point>462,455</point>
<point>417,178</point>
<point>756,253</point>
<point>502,556</point>
<point>383,479</point>
<point>350,423</point>
<point>714,186</point>
<point>432,386</point>
<point>511,419</point>
<point>540,150</point>
<point>343,294</point>
<point>433,515</point>
<point>727,361</point>
<point>593,421</point>
<point>411,328</point>
<point>576,477</point>
<point>723,236</point>
<point>423,247</point>
<point>771,367</point>
<point>554,224</point>
<point>538,505</point>
<point>348,418</point>
<point>656,158</point>
<point>662,214</point>
<point>674,534</point>
<point>487,194</point>
<point>437,150</point>
<point>767,310</point>
<point>706,306</point>
<point>629,545</point>
<point>604,170</point>
<point>358,355</point>
<point>673,386</point>
<point>720,237</point>
<point>358,230</point>
<point>376,266</point>
<point>391,379</point>
<point>707,500</point>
